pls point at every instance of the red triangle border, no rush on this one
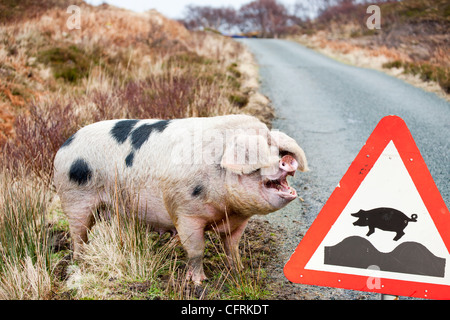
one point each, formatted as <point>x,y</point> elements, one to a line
<point>389,128</point>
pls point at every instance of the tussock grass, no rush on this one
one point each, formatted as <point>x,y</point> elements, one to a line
<point>25,268</point>
<point>124,259</point>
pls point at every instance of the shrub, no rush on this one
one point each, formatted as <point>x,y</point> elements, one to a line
<point>38,136</point>
<point>239,100</point>
<point>426,71</point>
<point>393,64</point>
<point>69,63</point>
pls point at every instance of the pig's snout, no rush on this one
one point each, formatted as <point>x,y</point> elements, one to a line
<point>288,164</point>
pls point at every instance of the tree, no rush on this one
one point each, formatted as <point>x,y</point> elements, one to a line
<point>222,19</point>
<point>268,17</point>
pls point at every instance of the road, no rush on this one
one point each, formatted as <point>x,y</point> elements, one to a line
<point>330,109</point>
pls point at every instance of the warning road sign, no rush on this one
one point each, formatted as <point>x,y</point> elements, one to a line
<point>384,229</point>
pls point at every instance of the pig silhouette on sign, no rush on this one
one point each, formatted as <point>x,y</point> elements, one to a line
<point>386,219</point>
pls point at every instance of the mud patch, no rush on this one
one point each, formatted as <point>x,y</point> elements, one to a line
<point>266,241</point>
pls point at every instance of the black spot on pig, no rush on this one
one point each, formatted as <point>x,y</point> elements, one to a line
<point>141,134</point>
<point>80,172</point>
<point>197,190</point>
<point>68,141</point>
<point>129,159</point>
<point>122,129</point>
<point>386,219</point>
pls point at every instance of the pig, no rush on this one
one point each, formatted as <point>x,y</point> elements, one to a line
<point>386,219</point>
<point>189,175</point>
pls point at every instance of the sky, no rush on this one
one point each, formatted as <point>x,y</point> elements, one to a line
<point>174,8</point>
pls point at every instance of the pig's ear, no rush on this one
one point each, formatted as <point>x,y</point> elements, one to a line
<point>286,143</point>
<point>246,153</point>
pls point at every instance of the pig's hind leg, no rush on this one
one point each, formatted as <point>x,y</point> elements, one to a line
<point>399,235</point>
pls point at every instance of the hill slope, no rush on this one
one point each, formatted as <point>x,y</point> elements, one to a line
<point>413,39</point>
<point>115,53</point>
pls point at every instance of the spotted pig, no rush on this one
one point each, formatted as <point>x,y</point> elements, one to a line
<point>189,175</point>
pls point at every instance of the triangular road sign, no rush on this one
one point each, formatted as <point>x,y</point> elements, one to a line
<point>385,228</point>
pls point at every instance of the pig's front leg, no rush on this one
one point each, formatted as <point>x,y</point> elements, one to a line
<point>192,236</point>
<point>231,245</point>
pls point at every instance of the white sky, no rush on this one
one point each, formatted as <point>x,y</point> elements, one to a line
<point>174,8</point>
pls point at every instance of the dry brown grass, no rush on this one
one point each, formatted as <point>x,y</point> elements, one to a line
<point>42,61</point>
<point>25,271</point>
<point>6,123</point>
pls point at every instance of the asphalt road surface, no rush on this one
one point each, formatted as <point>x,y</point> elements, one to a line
<point>331,109</point>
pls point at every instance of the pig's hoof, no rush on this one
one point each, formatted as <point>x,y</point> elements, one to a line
<point>197,282</point>
<point>196,277</point>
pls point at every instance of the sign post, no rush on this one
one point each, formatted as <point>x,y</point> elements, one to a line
<point>385,227</point>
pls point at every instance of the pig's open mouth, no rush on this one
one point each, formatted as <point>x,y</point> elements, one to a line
<point>281,186</point>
